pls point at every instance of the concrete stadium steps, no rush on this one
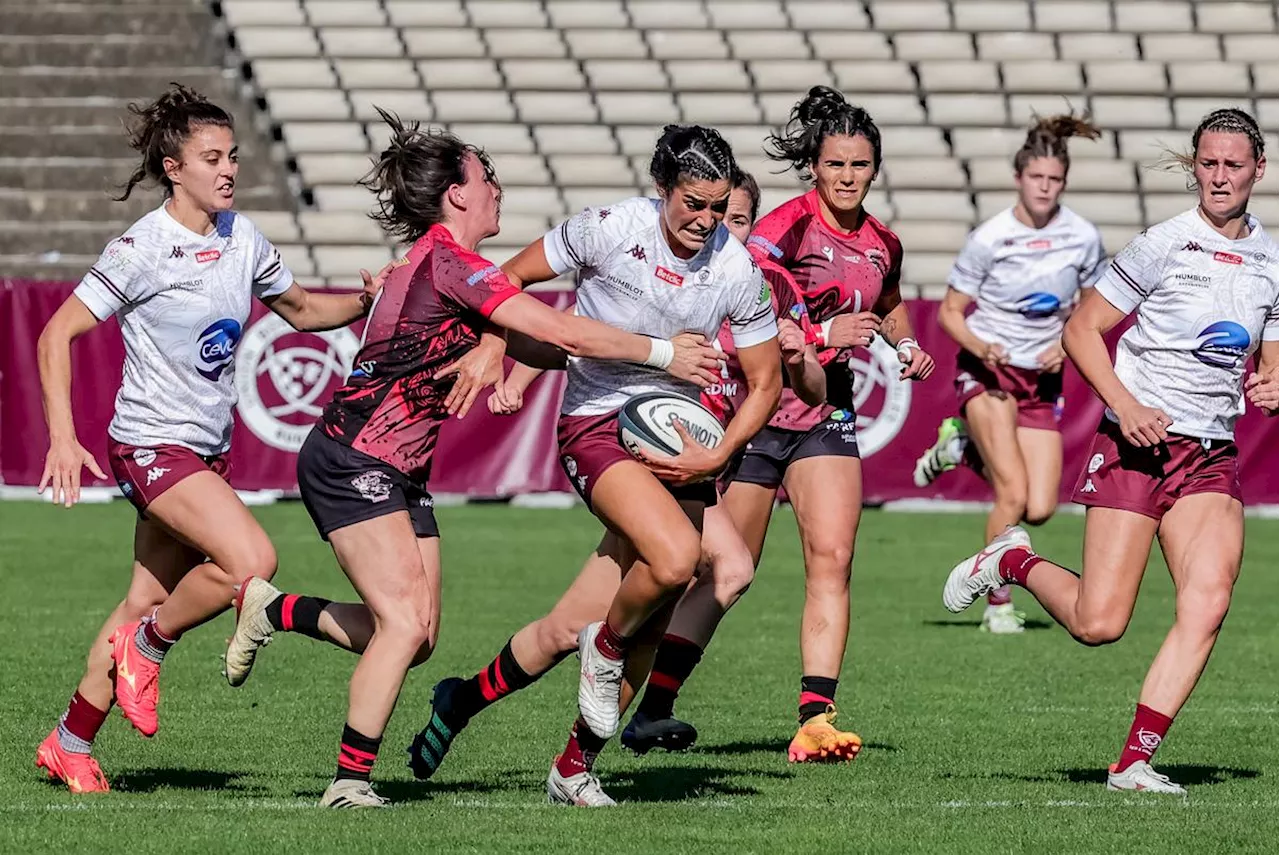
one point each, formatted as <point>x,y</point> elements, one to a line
<point>68,71</point>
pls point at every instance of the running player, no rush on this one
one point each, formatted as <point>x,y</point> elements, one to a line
<point>1023,268</point>
<point>725,571</point>
<point>1164,463</point>
<point>180,282</point>
<point>363,470</point>
<point>847,265</point>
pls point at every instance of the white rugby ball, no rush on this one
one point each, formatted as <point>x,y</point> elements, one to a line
<point>647,423</point>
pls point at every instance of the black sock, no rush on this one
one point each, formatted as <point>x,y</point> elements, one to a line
<point>816,693</point>
<point>294,613</point>
<point>356,755</point>
<point>495,681</point>
<point>673,662</point>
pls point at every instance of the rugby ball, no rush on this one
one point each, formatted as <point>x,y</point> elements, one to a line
<point>647,423</point>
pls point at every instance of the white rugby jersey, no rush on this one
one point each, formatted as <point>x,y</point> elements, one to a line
<point>1024,280</point>
<point>1204,304</point>
<point>628,277</point>
<point>182,300</point>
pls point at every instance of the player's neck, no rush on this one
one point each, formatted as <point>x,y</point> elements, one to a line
<point>843,221</point>
<point>1232,227</point>
<point>189,216</point>
<point>1022,215</point>
<point>464,235</point>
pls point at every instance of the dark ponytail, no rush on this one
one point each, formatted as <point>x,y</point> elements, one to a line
<point>1048,138</point>
<point>413,174</point>
<point>822,113</point>
<point>693,152</point>
<point>160,129</point>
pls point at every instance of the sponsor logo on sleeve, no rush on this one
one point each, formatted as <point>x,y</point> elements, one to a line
<point>482,274</point>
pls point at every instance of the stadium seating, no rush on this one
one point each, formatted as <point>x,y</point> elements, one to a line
<point>568,97</point>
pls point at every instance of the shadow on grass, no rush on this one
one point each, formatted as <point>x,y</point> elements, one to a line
<point>1190,774</point>
<point>409,792</point>
<point>676,784</point>
<point>1031,623</point>
<point>770,746</point>
<point>150,780</point>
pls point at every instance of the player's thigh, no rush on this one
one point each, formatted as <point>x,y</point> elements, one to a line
<point>205,512</point>
<point>1117,545</point>
<point>382,559</point>
<point>993,421</point>
<point>160,561</point>
<point>1202,537</point>
<point>826,494</point>
<point>631,501</point>
<point>750,506</point>
<point>1042,457</point>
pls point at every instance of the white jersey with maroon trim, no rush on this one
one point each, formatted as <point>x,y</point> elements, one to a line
<point>1204,303</point>
<point>182,300</point>
<point>1024,280</point>
<point>628,277</point>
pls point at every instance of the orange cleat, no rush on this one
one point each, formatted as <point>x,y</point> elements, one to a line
<point>137,680</point>
<point>818,741</point>
<point>80,772</point>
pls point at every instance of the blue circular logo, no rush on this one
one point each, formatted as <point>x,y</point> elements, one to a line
<point>1039,305</point>
<point>1222,344</point>
<point>216,348</point>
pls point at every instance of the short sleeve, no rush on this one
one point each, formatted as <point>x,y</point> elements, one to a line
<point>271,276</point>
<point>776,236</point>
<point>471,282</point>
<point>971,267</point>
<point>118,279</point>
<point>1134,273</point>
<point>580,241</point>
<point>1271,329</point>
<point>787,300</point>
<point>752,320</point>
<point>1094,261</point>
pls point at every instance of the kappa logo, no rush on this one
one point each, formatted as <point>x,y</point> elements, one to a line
<point>1095,463</point>
<point>1088,486</point>
<point>669,276</point>
<point>374,485</point>
<point>177,253</point>
<point>154,475</point>
<point>208,255</point>
<point>1192,246</point>
<point>144,457</point>
<point>126,240</point>
<point>603,213</point>
<point>638,252</point>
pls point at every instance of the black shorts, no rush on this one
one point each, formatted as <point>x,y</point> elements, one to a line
<point>765,459</point>
<point>341,486</point>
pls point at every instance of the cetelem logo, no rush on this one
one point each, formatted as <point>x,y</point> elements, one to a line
<point>1222,344</point>
<point>285,377</point>
<point>1039,305</point>
<point>216,348</point>
<point>880,399</point>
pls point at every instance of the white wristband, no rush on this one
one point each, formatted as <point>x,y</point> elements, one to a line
<point>661,353</point>
<point>825,326</point>
<point>906,345</point>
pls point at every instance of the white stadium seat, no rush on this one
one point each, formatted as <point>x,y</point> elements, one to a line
<point>278,226</point>
<point>549,107</point>
<point>930,235</point>
<point>303,137</point>
<point>1062,16</point>
<point>532,200</point>
<point>574,139</point>
<point>301,104</point>
<point>263,42</point>
<point>933,204</point>
<point>789,75</point>
<point>1086,46</point>
<point>459,73</point>
<point>926,268</point>
<point>747,14</point>
<point>957,76</point>
<point>591,170</point>
<point>1126,77</point>
<point>426,13</point>
<point>1238,18</point>
<point>344,13</point>
<point>1265,80</point>
<point>1187,112</point>
<point>1131,111</point>
<point>505,13</point>
<point>1144,16</point>
<point>1015,45</point>
<point>637,108</point>
<point>472,106</point>
<point>347,261</point>
<point>637,74</point>
<point>951,110</point>
<point>1210,78</point>
<point>682,44</point>
<point>659,14</point>
<point>924,173</point>
<point>708,75</point>
<point>571,14</point>
<point>504,137</point>
<point>377,74</point>
<point>842,45</point>
<point>342,197</point>
<point>408,104</point>
<point>818,15</point>
<point>442,43</point>
<point>1041,75</point>
<point>545,74</point>
<point>525,44</point>
<point>915,46</point>
<point>605,44</point>
<point>340,227</point>
<point>293,73</point>
<point>913,142</point>
<point>855,76</point>
<point>318,169</point>
<point>981,16</point>
<point>262,13</point>
<point>759,44</point>
<point>373,42</point>
<point>1254,46</point>
<point>595,197</point>
<point>896,15</point>
<point>718,108</point>
<point>1179,46</point>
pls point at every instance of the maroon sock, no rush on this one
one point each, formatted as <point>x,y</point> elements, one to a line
<point>80,724</point>
<point>1016,564</point>
<point>610,643</point>
<point>1145,735</point>
<point>580,753</point>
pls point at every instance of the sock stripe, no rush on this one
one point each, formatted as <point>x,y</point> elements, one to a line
<point>497,674</point>
<point>486,686</point>
<point>665,681</point>
<point>286,612</point>
<point>814,698</point>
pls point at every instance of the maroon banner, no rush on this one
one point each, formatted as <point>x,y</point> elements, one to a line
<point>285,377</point>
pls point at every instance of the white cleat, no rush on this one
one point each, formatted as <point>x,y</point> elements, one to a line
<point>944,455</point>
<point>352,794</point>
<point>1140,777</point>
<point>580,790</point>
<point>979,575</point>
<point>1003,620</point>
<point>599,683</point>
<point>253,630</point>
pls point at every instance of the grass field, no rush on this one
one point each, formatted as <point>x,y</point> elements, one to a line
<point>974,744</point>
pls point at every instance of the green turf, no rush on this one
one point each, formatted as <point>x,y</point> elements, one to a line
<point>974,744</point>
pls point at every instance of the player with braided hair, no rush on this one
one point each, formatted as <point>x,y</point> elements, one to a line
<point>1024,268</point>
<point>1164,463</point>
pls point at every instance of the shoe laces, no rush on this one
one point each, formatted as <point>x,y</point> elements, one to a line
<point>591,785</point>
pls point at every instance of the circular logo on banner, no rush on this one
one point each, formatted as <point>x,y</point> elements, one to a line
<point>285,378</point>
<point>880,399</point>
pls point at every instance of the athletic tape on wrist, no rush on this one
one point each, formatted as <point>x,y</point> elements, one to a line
<point>661,353</point>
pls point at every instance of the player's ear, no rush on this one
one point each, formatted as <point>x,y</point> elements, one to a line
<point>457,196</point>
<point>171,166</point>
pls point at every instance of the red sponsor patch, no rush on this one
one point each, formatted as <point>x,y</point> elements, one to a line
<point>1228,258</point>
<point>208,255</point>
<point>1039,243</point>
<point>669,276</point>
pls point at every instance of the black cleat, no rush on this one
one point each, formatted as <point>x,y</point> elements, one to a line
<point>643,734</point>
<point>429,747</point>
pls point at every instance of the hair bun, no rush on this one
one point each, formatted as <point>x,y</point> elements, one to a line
<point>822,102</point>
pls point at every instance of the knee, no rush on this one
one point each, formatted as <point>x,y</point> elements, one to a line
<point>828,560</point>
<point>1204,608</point>
<point>1012,499</point>
<point>732,577</point>
<point>1038,514</point>
<point>557,634</point>
<point>257,558</point>
<point>411,625</point>
<point>1095,631</point>
<point>138,604</point>
<point>673,567</point>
